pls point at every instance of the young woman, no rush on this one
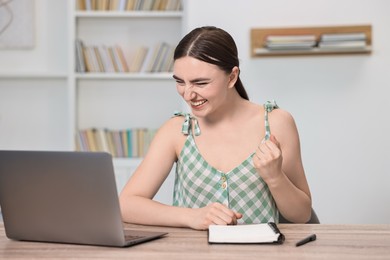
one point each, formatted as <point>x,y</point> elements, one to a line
<point>230,168</point>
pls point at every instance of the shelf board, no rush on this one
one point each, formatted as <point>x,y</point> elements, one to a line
<point>314,51</point>
<point>258,39</point>
<point>110,76</point>
<point>128,14</point>
<point>33,75</point>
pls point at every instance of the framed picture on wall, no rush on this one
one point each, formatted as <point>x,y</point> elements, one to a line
<point>17,24</point>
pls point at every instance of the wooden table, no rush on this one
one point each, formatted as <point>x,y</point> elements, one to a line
<point>333,242</point>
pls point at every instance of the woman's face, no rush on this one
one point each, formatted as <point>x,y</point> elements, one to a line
<point>202,85</point>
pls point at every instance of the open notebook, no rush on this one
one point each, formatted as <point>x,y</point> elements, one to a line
<point>63,197</point>
<point>263,233</point>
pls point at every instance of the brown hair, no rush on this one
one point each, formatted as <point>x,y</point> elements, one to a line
<point>212,45</point>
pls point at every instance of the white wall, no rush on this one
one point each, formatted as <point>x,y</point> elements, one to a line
<point>49,53</point>
<point>33,86</point>
<point>340,103</point>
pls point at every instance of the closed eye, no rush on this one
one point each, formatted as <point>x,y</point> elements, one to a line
<point>201,83</point>
<point>179,82</point>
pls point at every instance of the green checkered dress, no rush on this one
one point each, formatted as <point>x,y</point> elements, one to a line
<point>197,183</point>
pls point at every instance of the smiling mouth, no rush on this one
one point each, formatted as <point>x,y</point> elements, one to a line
<point>198,103</point>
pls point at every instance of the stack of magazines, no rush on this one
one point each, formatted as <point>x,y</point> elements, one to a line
<point>343,41</point>
<point>290,42</point>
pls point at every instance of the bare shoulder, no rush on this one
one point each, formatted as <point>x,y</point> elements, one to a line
<point>172,127</point>
<point>282,124</point>
<point>173,122</point>
<point>170,132</point>
<point>281,116</point>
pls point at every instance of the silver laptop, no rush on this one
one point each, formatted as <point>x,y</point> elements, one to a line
<point>63,197</point>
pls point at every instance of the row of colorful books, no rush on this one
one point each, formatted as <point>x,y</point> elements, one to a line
<point>306,42</point>
<point>93,58</point>
<point>128,5</point>
<point>124,143</point>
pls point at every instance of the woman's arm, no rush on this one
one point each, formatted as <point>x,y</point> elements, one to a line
<point>136,201</point>
<point>279,163</point>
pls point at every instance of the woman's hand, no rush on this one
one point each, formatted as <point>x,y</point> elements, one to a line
<point>268,160</point>
<point>215,213</point>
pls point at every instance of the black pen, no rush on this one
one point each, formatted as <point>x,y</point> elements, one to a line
<point>308,239</point>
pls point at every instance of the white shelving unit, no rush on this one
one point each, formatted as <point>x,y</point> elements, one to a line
<point>132,94</point>
<point>122,100</point>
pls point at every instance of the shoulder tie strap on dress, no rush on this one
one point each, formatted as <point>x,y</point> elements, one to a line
<point>268,107</point>
<point>187,125</point>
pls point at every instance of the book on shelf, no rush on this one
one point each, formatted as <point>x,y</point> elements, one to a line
<point>87,4</point>
<point>342,45</point>
<point>343,41</point>
<point>134,143</point>
<point>122,5</point>
<point>111,145</point>
<point>80,61</point>
<point>91,59</point>
<point>81,5</point>
<point>172,5</point>
<point>102,141</point>
<point>290,38</point>
<point>98,58</point>
<point>152,59</point>
<point>91,139</point>
<point>111,55</point>
<point>290,42</point>
<point>87,59</point>
<point>117,137</point>
<point>120,59</point>
<point>106,58</point>
<point>114,5</point>
<point>147,5</point>
<point>138,59</point>
<point>168,66</point>
<point>158,65</point>
<point>343,37</point>
<point>81,140</point>
<point>157,5</point>
<point>159,59</point>
<point>102,5</point>
<point>130,5</point>
<point>290,45</point>
<point>115,59</point>
<point>123,143</point>
<point>140,141</point>
<point>263,233</point>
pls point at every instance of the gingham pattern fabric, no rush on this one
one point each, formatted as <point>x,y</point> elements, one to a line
<point>187,124</point>
<point>268,107</point>
<point>197,184</point>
